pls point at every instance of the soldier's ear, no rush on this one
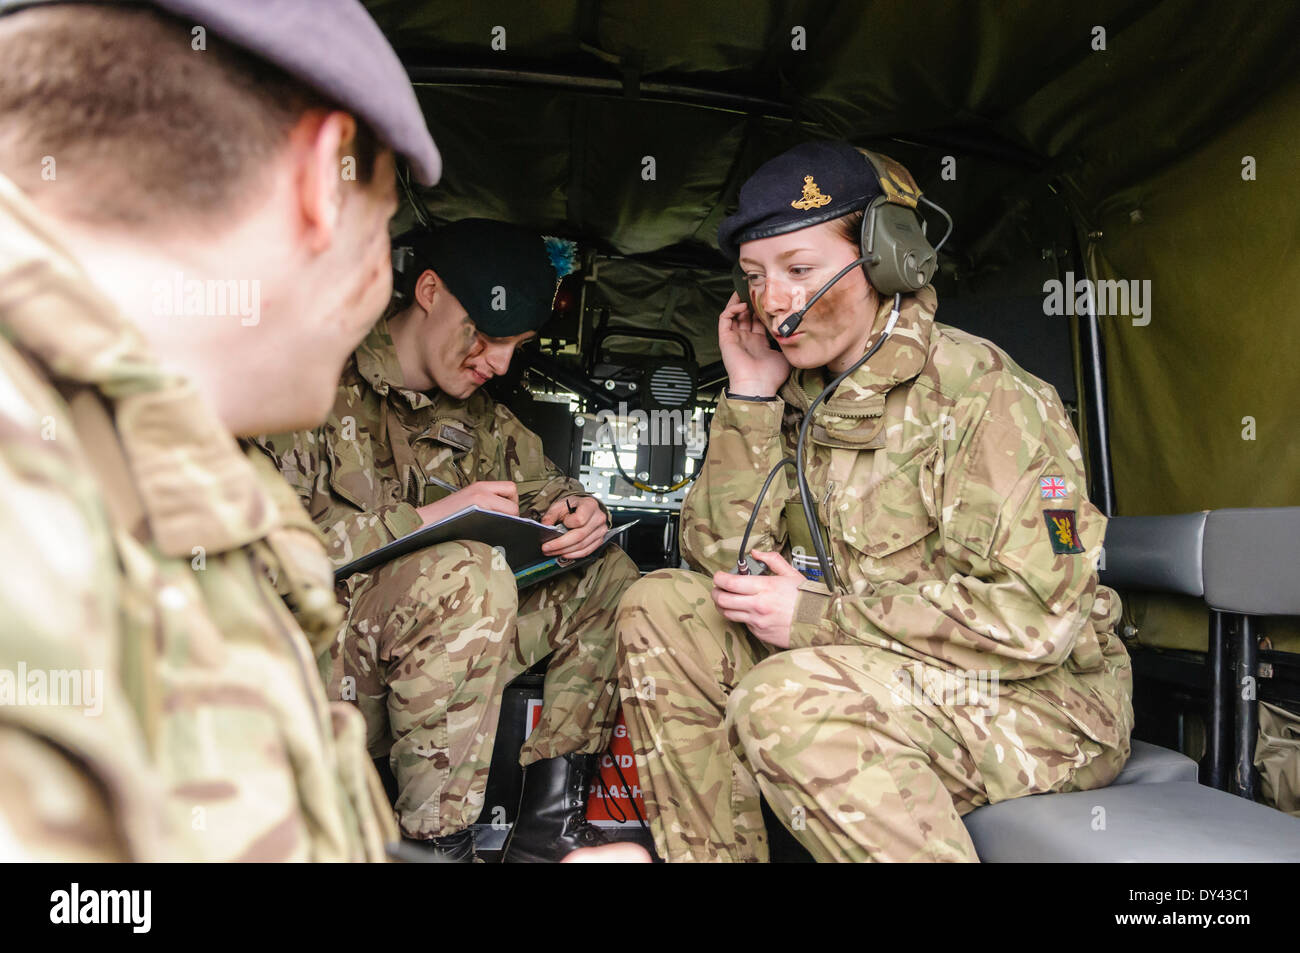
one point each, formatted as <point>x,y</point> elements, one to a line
<point>427,288</point>
<point>315,141</point>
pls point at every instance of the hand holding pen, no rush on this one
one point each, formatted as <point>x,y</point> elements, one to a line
<point>585,522</point>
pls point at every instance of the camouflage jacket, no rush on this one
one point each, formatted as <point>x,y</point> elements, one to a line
<point>146,545</point>
<point>952,488</point>
<point>363,474</point>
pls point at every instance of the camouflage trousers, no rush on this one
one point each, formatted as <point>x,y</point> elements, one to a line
<point>429,644</point>
<point>851,746</point>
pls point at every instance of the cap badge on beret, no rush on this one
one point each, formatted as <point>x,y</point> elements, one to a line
<point>812,196</point>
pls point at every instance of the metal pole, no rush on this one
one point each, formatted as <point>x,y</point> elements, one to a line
<point>1218,730</point>
<point>1094,397</point>
<point>1098,405</point>
<point>1245,781</point>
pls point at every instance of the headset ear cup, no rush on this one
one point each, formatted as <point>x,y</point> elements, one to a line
<point>899,258</point>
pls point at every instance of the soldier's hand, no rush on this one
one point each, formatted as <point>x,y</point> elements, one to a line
<point>753,368</point>
<point>500,496</point>
<point>586,524</point>
<point>765,604</point>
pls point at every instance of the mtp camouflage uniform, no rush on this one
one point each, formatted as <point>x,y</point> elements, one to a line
<point>432,638</point>
<point>966,656</point>
<point>147,551</point>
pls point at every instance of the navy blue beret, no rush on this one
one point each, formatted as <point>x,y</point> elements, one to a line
<point>501,274</point>
<point>812,183</point>
<point>332,46</point>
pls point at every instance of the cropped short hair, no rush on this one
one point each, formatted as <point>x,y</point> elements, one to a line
<point>143,120</point>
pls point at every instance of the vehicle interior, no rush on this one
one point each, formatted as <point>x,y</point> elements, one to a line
<point>1142,145</point>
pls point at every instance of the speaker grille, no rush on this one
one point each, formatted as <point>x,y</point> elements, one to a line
<point>671,386</point>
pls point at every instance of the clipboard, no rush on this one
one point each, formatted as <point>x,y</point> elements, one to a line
<point>520,539</point>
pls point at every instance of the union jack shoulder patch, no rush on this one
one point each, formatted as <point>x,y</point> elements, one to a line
<point>1052,488</point>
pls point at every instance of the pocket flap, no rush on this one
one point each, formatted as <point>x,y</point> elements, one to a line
<point>896,512</point>
<point>351,473</point>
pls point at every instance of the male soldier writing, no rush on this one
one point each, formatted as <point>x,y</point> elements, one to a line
<point>175,217</point>
<point>432,638</point>
<point>963,651</point>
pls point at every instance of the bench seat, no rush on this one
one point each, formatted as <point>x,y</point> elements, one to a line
<point>1154,811</point>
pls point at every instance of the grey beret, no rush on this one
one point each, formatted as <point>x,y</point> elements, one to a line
<point>334,47</point>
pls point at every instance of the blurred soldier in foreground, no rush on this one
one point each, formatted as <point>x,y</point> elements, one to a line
<point>963,651</point>
<point>188,197</point>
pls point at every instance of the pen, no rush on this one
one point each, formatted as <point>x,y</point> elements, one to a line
<point>444,484</point>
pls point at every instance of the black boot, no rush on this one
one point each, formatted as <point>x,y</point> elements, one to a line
<point>457,848</point>
<point>553,811</point>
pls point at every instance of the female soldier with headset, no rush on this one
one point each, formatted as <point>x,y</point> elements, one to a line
<point>949,645</point>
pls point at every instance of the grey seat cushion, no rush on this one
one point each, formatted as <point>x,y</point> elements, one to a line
<point>1250,564</point>
<point>1165,553</point>
<point>1123,823</point>
<point>1152,764</point>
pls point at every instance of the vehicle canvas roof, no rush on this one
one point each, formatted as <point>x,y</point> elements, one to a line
<point>1136,155</point>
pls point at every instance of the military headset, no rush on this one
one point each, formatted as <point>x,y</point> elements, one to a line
<point>893,250</point>
<point>897,259</point>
